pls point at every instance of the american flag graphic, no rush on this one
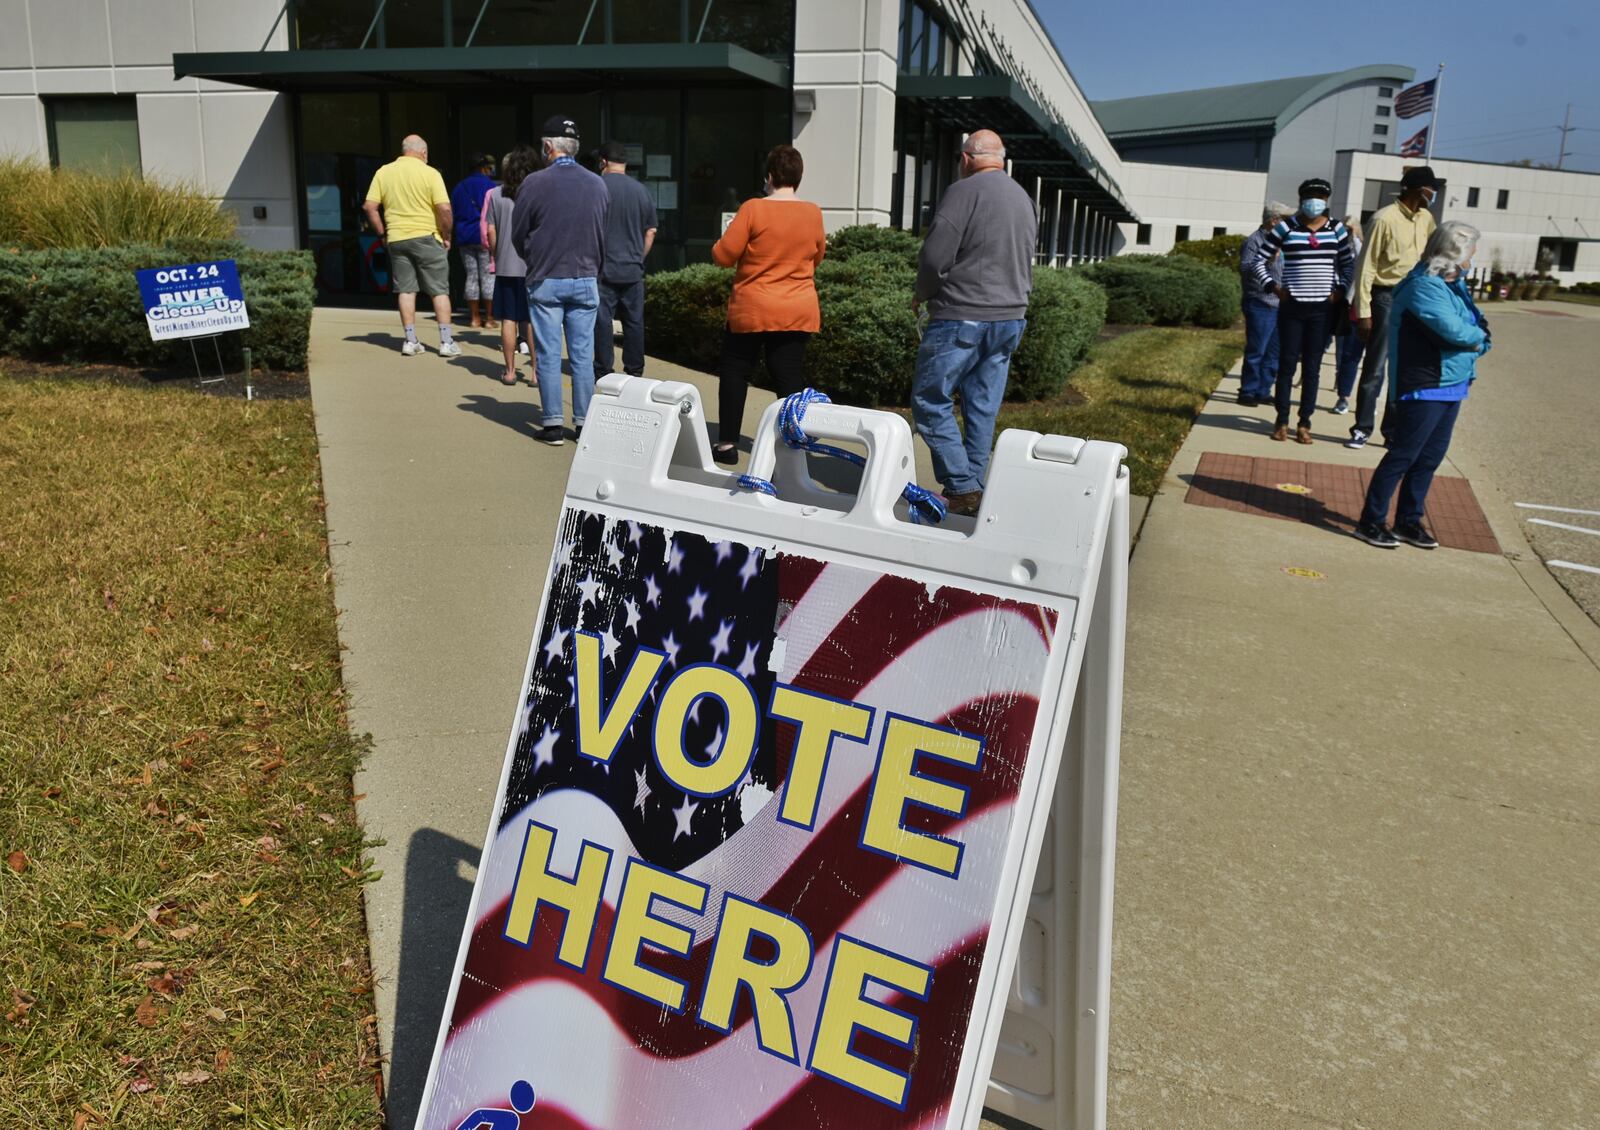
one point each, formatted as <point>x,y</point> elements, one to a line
<point>1416,145</point>
<point>1415,99</point>
<point>599,1057</point>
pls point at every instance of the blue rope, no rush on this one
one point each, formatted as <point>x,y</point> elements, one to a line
<point>925,506</point>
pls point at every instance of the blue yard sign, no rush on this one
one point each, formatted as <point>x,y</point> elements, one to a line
<point>195,300</point>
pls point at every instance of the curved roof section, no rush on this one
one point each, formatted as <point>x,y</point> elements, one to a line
<point>1269,105</point>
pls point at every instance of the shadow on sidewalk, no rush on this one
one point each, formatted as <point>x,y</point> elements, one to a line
<point>521,416</point>
<point>437,897</point>
<point>1254,498</point>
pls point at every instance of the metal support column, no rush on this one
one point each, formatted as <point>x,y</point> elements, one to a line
<point>1054,245</point>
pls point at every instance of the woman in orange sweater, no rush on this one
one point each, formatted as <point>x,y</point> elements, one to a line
<point>775,243</point>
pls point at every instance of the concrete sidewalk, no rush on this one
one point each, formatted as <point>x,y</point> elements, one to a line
<point>1358,823</point>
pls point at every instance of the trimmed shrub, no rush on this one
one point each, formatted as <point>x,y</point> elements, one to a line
<point>83,305</point>
<point>1219,251</point>
<point>862,239</point>
<point>1167,290</point>
<point>42,207</point>
<point>685,313</point>
<point>1065,315</point>
<point>866,351</point>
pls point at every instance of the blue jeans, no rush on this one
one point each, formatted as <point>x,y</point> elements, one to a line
<point>1260,349</point>
<point>556,304</point>
<point>972,360</point>
<point>1421,437</point>
<point>1347,350</point>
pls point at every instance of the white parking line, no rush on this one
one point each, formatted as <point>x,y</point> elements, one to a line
<point>1557,509</point>
<point>1573,565</point>
<point>1563,526</point>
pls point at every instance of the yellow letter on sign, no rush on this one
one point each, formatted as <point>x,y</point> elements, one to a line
<point>729,761</point>
<point>897,784</point>
<point>818,720</point>
<point>769,982</point>
<point>642,885</point>
<point>846,1008</point>
<point>600,728</point>
<point>579,896</point>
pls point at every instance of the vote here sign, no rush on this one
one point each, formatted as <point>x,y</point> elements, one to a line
<point>193,300</point>
<point>744,870</point>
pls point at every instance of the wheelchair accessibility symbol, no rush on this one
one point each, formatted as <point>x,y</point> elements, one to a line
<point>498,1118</point>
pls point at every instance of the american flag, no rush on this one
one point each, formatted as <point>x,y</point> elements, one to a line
<point>1414,100</point>
<point>601,1058</point>
<point>1416,145</point>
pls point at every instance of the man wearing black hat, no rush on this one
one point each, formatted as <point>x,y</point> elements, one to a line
<point>630,232</point>
<point>1318,264</point>
<point>1395,239</point>
<point>559,227</point>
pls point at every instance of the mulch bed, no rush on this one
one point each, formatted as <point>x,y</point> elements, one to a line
<point>265,384</point>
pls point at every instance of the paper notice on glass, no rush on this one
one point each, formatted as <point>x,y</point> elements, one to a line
<point>666,195</point>
<point>658,165</point>
<point>633,154</point>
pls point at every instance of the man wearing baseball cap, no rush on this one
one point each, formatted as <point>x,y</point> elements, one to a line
<point>559,227</point>
<point>1395,239</point>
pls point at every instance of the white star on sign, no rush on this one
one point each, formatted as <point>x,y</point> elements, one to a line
<point>613,553</point>
<point>747,665</point>
<point>652,591</point>
<point>556,645</point>
<point>751,566</point>
<point>674,559</point>
<point>683,814</point>
<point>724,551</point>
<point>641,790</point>
<point>587,589</point>
<point>714,746</point>
<point>609,643</point>
<point>635,532</point>
<point>721,641</point>
<point>544,750</point>
<point>697,604</point>
<point>671,647</point>
<point>631,610</point>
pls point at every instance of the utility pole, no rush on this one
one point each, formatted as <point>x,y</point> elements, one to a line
<point>1566,128</point>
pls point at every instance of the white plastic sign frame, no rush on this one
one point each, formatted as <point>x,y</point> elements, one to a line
<point>1052,535</point>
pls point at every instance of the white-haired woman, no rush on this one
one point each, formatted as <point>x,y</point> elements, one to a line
<point>1436,336</point>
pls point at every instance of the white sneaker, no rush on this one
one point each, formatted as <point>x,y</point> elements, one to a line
<point>449,349</point>
<point>522,348</point>
<point>412,348</point>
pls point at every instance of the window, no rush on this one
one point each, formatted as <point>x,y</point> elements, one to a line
<point>1380,131</point>
<point>1142,235</point>
<point>1472,198</point>
<point>1379,147</point>
<point>1383,111</point>
<point>93,133</point>
<point>1182,233</point>
<point>1385,92</point>
<point>1503,200</point>
<point>1218,233</point>
<point>926,46</point>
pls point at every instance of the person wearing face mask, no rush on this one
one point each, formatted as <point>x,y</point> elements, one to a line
<point>1436,335</point>
<point>1396,236</point>
<point>774,244</point>
<point>1318,264</point>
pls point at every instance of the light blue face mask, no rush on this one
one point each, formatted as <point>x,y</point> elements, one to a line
<point>1313,207</point>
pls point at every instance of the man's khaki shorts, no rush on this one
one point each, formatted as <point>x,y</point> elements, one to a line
<point>419,265</point>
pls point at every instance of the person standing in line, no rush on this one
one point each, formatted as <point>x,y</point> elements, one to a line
<point>1317,267</point>
<point>1396,236</point>
<point>466,201</point>
<point>1260,367</point>
<point>975,272</point>
<point>559,228</point>
<point>630,233</point>
<point>409,210</point>
<point>1347,343</point>
<point>510,273</point>
<point>1436,335</point>
<point>774,244</point>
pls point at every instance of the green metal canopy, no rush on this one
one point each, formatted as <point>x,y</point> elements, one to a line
<point>413,68</point>
<point>1035,142</point>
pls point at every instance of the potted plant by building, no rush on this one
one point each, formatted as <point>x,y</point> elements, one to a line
<point>1519,289</point>
<point>1547,287</point>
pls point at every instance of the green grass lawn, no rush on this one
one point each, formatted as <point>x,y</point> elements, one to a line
<point>1143,390</point>
<point>181,930</point>
<point>1572,296</point>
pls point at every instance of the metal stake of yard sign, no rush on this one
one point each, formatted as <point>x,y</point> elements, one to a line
<point>200,377</point>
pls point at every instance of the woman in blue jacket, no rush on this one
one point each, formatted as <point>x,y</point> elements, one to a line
<point>1436,336</point>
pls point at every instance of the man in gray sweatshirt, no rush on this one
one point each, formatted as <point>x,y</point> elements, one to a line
<point>975,273</point>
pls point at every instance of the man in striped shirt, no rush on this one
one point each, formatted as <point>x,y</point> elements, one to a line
<point>1318,263</point>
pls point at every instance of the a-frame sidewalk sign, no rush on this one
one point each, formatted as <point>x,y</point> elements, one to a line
<point>808,811</point>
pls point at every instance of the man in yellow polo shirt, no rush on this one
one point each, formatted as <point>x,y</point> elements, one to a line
<point>1395,239</point>
<point>415,225</point>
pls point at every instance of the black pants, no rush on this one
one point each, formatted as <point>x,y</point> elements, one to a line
<point>786,361</point>
<point>1421,437</point>
<point>1303,330</point>
<point>625,303</point>
<point>1374,365</point>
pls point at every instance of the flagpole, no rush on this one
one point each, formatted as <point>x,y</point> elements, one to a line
<point>1433,123</point>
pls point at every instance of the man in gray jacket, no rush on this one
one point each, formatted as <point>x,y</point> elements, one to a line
<point>975,273</point>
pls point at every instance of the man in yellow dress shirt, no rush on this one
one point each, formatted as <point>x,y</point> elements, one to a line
<point>1395,239</point>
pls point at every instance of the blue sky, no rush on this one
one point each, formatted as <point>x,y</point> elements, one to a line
<point>1511,66</point>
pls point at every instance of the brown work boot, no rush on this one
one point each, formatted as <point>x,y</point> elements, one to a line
<point>1302,434</point>
<point>963,501</point>
<point>1281,433</point>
